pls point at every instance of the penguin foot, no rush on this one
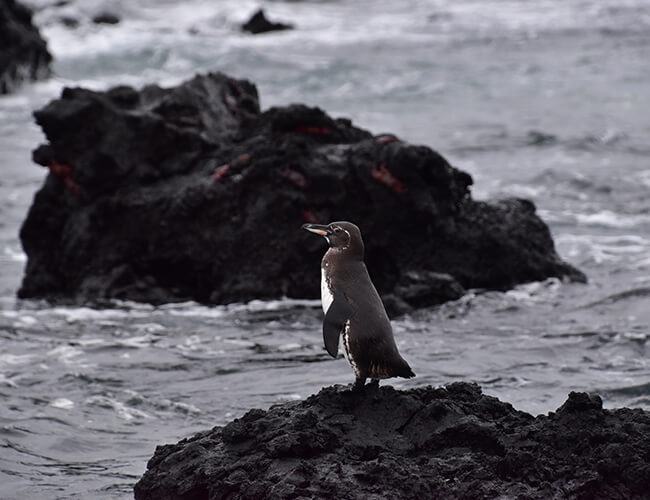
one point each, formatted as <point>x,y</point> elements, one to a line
<point>358,385</point>
<point>372,389</point>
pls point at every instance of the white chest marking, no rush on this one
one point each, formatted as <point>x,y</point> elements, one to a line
<point>325,293</point>
<point>345,340</point>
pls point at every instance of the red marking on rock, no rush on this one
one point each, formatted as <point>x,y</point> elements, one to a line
<point>231,103</point>
<point>241,159</point>
<point>312,130</point>
<point>62,170</point>
<point>385,139</point>
<point>72,186</point>
<point>294,177</point>
<point>235,89</point>
<point>385,177</point>
<point>221,172</point>
<point>309,217</point>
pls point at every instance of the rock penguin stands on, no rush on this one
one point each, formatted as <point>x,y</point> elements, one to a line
<point>353,310</point>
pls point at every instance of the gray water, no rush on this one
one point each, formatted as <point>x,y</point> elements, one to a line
<point>547,100</point>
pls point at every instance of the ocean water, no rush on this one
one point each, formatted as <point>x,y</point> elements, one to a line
<point>547,100</point>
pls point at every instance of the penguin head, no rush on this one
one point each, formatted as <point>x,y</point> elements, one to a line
<point>342,236</point>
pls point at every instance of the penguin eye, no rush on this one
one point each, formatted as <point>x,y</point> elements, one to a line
<point>337,229</point>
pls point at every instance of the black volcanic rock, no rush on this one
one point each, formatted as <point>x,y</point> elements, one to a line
<point>105,18</point>
<point>451,442</point>
<point>194,193</point>
<point>23,53</point>
<point>258,23</point>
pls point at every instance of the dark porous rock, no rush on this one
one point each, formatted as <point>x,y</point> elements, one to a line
<point>451,442</point>
<point>23,53</point>
<point>192,192</point>
<point>258,23</point>
<point>419,289</point>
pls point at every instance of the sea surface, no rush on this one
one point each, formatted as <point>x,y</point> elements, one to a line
<point>547,100</point>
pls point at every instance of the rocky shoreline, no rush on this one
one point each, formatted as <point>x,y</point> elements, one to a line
<point>447,442</point>
<point>195,193</point>
<point>23,52</point>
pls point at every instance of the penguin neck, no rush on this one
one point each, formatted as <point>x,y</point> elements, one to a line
<point>334,256</point>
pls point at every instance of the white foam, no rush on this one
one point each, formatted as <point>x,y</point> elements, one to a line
<point>608,218</point>
<point>122,410</point>
<point>15,255</point>
<point>66,354</point>
<point>6,381</point>
<point>191,343</point>
<point>168,404</point>
<point>603,218</point>
<point>150,327</point>
<point>186,408</point>
<point>137,341</point>
<point>606,248</point>
<point>523,190</point>
<point>276,305</point>
<point>91,342</point>
<point>289,347</point>
<point>15,359</point>
<point>290,397</point>
<point>82,314</point>
<point>239,342</point>
<point>194,309</point>
<point>638,336</point>
<point>22,320</point>
<point>535,291</point>
<point>62,403</point>
<point>27,320</point>
<point>132,305</point>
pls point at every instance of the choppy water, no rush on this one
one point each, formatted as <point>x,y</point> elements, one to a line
<point>547,100</point>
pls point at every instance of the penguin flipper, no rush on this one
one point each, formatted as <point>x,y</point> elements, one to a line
<point>334,323</point>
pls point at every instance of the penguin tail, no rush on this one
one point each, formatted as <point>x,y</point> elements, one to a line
<point>401,369</point>
<point>405,371</point>
<point>396,369</point>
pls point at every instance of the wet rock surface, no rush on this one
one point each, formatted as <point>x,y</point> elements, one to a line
<point>23,52</point>
<point>193,192</point>
<point>451,442</point>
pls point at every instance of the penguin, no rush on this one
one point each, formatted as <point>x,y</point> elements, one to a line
<point>354,313</point>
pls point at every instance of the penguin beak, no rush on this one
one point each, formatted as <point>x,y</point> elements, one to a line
<point>317,228</point>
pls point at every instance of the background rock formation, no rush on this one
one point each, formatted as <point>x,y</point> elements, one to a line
<point>258,23</point>
<point>451,442</point>
<point>193,193</point>
<point>23,53</point>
